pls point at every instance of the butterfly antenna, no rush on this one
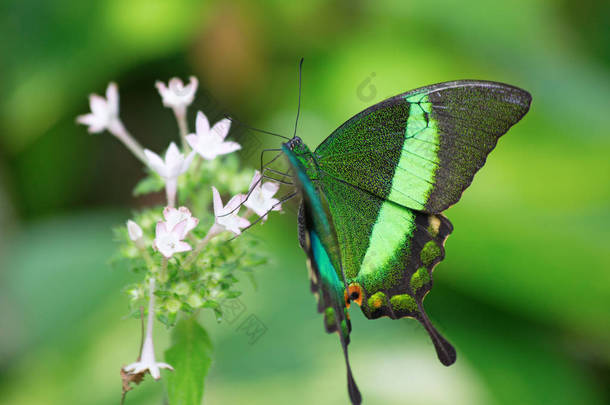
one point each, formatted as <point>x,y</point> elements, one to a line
<point>240,123</point>
<point>299,104</point>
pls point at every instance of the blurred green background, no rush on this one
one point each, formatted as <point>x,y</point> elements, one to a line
<point>524,293</point>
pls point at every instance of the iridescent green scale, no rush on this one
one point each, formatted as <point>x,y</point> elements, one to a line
<point>373,193</point>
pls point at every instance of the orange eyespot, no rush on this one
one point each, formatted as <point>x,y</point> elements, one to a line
<point>355,293</point>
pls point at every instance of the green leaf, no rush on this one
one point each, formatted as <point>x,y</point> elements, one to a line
<point>148,184</point>
<point>190,355</point>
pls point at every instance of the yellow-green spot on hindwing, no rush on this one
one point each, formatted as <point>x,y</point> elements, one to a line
<point>434,225</point>
<point>344,328</point>
<point>329,317</point>
<point>430,252</point>
<point>403,303</point>
<point>377,300</point>
<point>420,278</point>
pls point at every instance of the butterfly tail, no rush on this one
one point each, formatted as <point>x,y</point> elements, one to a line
<point>352,388</point>
<point>444,350</point>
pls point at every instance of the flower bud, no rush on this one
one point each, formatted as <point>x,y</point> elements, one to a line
<point>135,234</point>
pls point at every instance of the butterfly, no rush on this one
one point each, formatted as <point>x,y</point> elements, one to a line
<point>373,194</point>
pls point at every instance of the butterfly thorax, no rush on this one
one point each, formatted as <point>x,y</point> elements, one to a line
<point>304,155</point>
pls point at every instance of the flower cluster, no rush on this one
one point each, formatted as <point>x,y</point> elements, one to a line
<point>183,253</point>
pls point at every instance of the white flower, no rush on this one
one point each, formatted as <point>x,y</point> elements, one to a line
<point>169,240</point>
<point>169,169</point>
<point>226,216</point>
<point>176,95</point>
<point>104,112</point>
<point>210,143</point>
<point>147,360</point>
<point>105,116</point>
<point>174,164</point>
<point>173,216</point>
<point>261,199</point>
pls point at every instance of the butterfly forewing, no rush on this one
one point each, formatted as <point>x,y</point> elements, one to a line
<point>422,148</point>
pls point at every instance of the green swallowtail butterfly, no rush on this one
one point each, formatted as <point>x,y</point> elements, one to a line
<point>373,193</point>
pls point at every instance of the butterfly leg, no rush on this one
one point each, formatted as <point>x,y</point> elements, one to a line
<point>272,160</point>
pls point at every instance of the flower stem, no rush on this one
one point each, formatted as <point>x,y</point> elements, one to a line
<point>214,230</point>
<point>163,277</point>
<point>151,312</point>
<point>148,350</point>
<point>148,259</point>
<point>119,131</point>
<point>171,188</point>
<point>182,127</point>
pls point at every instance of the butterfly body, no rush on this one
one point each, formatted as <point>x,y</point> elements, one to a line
<point>373,193</point>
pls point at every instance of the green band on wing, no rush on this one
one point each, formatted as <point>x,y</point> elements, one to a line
<point>414,175</point>
<point>393,226</point>
<point>413,180</point>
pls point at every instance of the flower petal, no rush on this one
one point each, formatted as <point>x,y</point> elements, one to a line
<point>222,127</point>
<point>269,189</point>
<point>217,202</point>
<point>182,247</point>
<point>165,250</point>
<point>168,212</point>
<point>227,147</point>
<point>193,141</point>
<point>165,365</point>
<point>191,223</point>
<point>112,97</point>
<point>180,229</point>
<point>275,204</point>
<point>193,84</point>
<point>202,124</point>
<point>242,222</point>
<point>162,88</point>
<point>176,85</point>
<point>255,181</point>
<point>99,106</point>
<point>135,368</point>
<point>173,155</point>
<point>187,162</point>
<point>160,229</point>
<point>155,162</point>
<point>93,122</point>
<point>234,202</point>
<point>154,371</point>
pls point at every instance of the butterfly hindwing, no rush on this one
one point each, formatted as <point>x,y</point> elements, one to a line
<point>390,273</point>
<point>324,281</point>
<point>421,149</point>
